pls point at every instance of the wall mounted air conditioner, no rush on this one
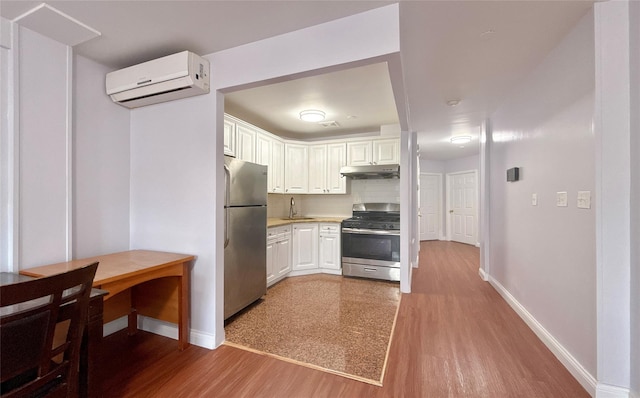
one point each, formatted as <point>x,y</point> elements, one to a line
<point>180,75</point>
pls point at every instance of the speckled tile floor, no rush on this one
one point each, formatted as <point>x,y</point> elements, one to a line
<point>332,322</point>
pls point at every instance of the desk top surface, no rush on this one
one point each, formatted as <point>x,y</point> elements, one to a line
<point>115,266</point>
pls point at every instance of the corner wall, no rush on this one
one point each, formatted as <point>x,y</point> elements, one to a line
<point>101,165</point>
<point>542,257</point>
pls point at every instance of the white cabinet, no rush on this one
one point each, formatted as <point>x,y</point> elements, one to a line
<point>278,253</point>
<point>305,246</point>
<point>325,162</point>
<point>245,142</point>
<point>336,158</point>
<point>329,255</point>
<point>276,168</point>
<point>317,169</point>
<point>229,137</point>
<point>263,150</point>
<point>386,151</point>
<point>359,153</point>
<point>296,178</point>
<point>378,151</point>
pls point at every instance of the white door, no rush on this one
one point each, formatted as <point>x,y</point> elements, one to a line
<point>463,224</point>
<point>429,206</point>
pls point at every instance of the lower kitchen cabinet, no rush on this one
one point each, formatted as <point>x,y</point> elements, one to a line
<point>278,253</point>
<point>329,255</point>
<point>305,246</point>
<point>303,249</point>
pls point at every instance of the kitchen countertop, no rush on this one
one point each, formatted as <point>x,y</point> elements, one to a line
<point>276,222</point>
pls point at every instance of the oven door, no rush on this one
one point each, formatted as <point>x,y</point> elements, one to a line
<point>371,247</point>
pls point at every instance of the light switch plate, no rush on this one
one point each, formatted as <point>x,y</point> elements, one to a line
<point>534,199</point>
<point>584,199</point>
<point>561,199</point>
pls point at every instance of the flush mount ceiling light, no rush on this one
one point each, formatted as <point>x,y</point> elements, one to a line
<point>312,115</point>
<point>461,139</point>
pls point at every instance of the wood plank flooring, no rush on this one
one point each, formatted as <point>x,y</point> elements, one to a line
<point>454,337</point>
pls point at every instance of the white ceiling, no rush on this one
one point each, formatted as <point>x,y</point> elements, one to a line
<point>472,51</point>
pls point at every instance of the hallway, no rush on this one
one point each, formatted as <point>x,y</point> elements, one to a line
<point>455,337</point>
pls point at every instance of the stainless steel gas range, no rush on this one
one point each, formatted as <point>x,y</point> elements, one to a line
<point>371,241</point>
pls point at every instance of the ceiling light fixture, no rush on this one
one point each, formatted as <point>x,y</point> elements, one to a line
<point>461,139</point>
<point>312,115</point>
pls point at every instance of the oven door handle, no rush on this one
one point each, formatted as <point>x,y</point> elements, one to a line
<point>361,231</point>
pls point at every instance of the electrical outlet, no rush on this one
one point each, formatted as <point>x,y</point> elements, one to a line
<point>534,199</point>
<point>561,199</point>
<point>584,199</point>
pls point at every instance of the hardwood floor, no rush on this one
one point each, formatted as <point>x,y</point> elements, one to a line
<point>454,337</point>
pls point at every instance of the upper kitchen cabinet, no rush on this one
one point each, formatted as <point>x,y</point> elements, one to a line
<point>386,151</point>
<point>245,142</point>
<point>325,162</point>
<point>229,137</point>
<point>269,152</point>
<point>239,139</point>
<point>296,178</point>
<point>377,151</point>
<point>276,168</point>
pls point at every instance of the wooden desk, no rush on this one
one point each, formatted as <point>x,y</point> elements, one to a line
<point>150,283</point>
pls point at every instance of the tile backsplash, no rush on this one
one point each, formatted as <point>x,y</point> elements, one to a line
<point>376,191</point>
<point>360,191</point>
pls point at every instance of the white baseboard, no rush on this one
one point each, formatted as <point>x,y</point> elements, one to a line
<point>609,391</point>
<point>114,326</point>
<point>483,275</point>
<point>166,329</point>
<point>573,366</point>
<point>170,330</point>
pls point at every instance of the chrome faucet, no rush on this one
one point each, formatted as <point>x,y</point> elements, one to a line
<point>292,211</point>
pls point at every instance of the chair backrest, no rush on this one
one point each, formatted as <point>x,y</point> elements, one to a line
<point>33,362</point>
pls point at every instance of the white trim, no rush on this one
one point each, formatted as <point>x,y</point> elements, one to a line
<point>62,14</point>
<point>204,340</point>
<point>609,391</point>
<point>483,275</point>
<point>69,156</point>
<point>573,366</point>
<point>161,328</point>
<point>13,244</point>
<point>114,326</point>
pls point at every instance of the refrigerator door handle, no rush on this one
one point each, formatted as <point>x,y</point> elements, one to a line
<point>227,188</point>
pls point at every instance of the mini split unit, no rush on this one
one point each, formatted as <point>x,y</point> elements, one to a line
<point>180,75</point>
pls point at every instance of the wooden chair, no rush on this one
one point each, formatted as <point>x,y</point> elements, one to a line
<point>33,363</point>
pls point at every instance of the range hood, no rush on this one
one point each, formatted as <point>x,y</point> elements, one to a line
<point>370,172</point>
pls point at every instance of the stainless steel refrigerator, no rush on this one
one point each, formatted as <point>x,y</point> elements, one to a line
<point>245,234</point>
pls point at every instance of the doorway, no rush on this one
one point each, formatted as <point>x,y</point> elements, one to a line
<point>430,206</point>
<point>462,207</point>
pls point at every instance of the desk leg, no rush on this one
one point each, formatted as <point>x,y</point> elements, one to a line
<point>183,298</point>
<point>132,322</point>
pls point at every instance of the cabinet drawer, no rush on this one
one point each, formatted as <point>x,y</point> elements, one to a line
<point>331,228</point>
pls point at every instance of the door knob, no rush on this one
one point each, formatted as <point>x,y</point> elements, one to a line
<point>451,211</point>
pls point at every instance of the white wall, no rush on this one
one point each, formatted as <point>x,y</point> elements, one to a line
<point>173,190</point>
<point>101,165</point>
<point>45,167</point>
<point>614,121</point>
<point>635,196</point>
<point>6,149</point>
<point>543,257</point>
<point>463,164</point>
